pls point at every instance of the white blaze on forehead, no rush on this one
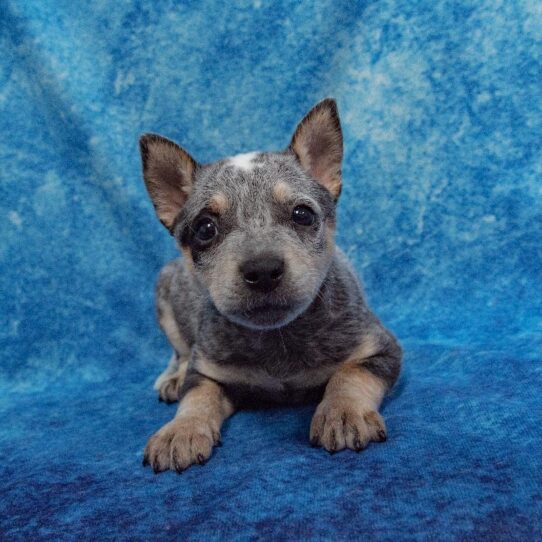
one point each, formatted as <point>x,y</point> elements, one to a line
<point>243,161</point>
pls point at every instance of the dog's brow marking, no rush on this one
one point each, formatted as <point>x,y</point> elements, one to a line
<point>243,161</point>
<point>282,192</point>
<point>219,203</point>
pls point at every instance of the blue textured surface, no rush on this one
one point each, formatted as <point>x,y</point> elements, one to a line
<point>441,213</point>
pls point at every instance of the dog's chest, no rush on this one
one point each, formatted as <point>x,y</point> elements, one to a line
<point>257,378</point>
<point>275,356</point>
<point>280,365</point>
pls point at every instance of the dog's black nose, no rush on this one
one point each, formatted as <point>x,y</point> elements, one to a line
<point>263,273</point>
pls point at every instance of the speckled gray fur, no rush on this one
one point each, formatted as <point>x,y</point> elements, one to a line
<point>325,334</point>
<point>327,318</point>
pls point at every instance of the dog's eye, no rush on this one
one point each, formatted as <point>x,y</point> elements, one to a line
<point>303,215</point>
<point>205,230</point>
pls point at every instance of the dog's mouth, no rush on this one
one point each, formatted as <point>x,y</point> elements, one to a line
<point>267,310</point>
<point>266,315</point>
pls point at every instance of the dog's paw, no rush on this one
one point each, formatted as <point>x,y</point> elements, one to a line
<point>339,424</point>
<point>170,386</point>
<point>184,441</point>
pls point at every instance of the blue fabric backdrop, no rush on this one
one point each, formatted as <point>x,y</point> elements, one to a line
<point>441,213</point>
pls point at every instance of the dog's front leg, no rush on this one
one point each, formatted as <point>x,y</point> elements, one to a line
<point>347,416</point>
<point>189,438</point>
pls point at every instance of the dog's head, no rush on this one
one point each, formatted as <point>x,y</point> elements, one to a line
<point>256,229</point>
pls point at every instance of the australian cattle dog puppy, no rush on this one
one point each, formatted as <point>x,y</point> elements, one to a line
<point>263,306</point>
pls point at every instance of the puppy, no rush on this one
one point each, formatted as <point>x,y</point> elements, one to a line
<point>263,307</point>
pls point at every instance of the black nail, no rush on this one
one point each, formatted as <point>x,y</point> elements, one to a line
<point>333,442</point>
<point>382,435</point>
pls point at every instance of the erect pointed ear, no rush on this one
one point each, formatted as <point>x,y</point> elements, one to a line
<point>168,172</point>
<point>318,144</point>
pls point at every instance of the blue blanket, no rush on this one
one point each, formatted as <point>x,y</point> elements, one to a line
<point>441,104</point>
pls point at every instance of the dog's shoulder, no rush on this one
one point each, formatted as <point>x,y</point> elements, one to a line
<point>179,300</point>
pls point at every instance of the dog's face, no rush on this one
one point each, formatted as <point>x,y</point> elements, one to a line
<point>256,229</point>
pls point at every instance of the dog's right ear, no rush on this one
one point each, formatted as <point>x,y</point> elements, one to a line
<point>168,171</point>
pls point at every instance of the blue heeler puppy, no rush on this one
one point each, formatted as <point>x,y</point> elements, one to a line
<point>263,307</point>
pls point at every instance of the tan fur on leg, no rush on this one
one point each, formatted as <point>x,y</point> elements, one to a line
<point>169,383</point>
<point>189,438</point>
<point>348,415</point>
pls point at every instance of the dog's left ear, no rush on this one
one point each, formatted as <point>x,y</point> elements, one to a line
<point>318,145</point>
